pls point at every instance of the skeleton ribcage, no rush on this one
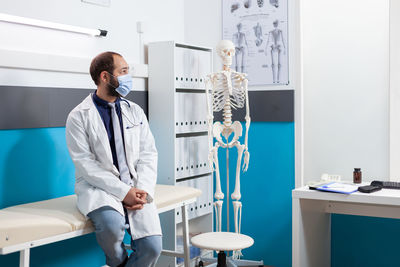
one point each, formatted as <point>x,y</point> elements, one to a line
<point>221,95</point>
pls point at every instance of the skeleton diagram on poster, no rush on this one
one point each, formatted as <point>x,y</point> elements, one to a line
<point>259,30</point>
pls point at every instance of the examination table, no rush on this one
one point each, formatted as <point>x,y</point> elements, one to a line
<point>39,223</point>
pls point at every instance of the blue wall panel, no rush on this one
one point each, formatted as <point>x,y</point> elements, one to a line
<point>266,191</point>
<point>365,241</point>
<point>35,165</point>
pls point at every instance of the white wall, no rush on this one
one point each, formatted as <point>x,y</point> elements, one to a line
<point>203,24</point>
<point>164,21</point>
<point>394,90</point>
<point>346,87</point>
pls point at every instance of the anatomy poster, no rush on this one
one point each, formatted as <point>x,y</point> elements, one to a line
<point>259,30</point>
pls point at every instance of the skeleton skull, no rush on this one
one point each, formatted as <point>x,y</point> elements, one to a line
<point>226,50</point>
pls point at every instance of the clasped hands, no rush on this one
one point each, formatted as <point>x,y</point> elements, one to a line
<point>135,199</point>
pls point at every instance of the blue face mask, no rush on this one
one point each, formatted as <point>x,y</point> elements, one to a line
<point>125,84</point>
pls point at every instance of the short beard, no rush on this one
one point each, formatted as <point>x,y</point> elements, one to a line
<point>111,86</point>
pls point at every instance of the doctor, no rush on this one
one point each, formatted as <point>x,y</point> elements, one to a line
<point>115,160</point>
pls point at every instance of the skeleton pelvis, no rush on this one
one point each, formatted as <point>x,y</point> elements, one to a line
<point>220,130</point>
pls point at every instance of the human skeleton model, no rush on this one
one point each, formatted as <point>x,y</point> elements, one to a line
<point>276,44</point>
<point>239,38</point>
<point>228,90</point>
<point>258,33</point>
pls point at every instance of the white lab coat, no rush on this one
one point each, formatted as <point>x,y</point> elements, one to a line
<point>97,179</point>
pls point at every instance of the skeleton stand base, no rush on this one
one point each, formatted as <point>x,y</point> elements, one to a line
<point>229,261</point>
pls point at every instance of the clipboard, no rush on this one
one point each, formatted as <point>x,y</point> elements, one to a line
<point>338,188</point>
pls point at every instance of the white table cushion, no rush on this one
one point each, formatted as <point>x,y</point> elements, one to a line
<point>63,208</point>
<point>166,195</point>
<point>17,227</point>
<point>37,220</point>
<point>222,241</point>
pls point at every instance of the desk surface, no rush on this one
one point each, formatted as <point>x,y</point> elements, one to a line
<point>382,197</point>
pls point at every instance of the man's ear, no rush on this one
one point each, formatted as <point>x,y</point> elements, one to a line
<point>104,76</point>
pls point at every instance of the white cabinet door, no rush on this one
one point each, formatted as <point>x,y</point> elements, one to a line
<point>193,69</point>
<point>198,155</point>
<point>204,67</point>
<point>179,67</point>
<point>182,157</point>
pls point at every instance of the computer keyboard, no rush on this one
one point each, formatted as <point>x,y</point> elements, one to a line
<point>388,185</point>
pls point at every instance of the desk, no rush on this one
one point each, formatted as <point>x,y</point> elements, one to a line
<point>311,219</point>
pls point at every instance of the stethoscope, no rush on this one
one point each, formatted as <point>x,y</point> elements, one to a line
<point>129,105</point>
<point>133,124</point>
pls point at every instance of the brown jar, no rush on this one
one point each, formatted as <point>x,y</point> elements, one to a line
<point>357,175</point>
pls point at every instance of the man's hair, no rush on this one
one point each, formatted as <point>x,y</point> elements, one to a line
<point>102,62</point>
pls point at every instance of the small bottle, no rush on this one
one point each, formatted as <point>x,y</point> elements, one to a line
<point>357,175</point>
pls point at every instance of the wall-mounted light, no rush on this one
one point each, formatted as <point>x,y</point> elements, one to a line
<point>51,25</point>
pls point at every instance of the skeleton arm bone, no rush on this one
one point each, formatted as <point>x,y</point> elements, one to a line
<point>248,120</point>
<point>210,118</point>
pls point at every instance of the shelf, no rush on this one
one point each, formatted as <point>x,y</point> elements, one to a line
<point>193,47</point>
<point>178,120</point>
<point>193,177</point>
<point>190,90</point>
<point>189,134</point>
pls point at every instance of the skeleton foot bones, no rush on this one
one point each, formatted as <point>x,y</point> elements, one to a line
<point>227,90</point>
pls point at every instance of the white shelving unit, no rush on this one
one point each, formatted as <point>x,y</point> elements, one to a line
<point>178,120</point>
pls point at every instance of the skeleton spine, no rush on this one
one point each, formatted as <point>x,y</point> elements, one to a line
<point>227,113</point>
